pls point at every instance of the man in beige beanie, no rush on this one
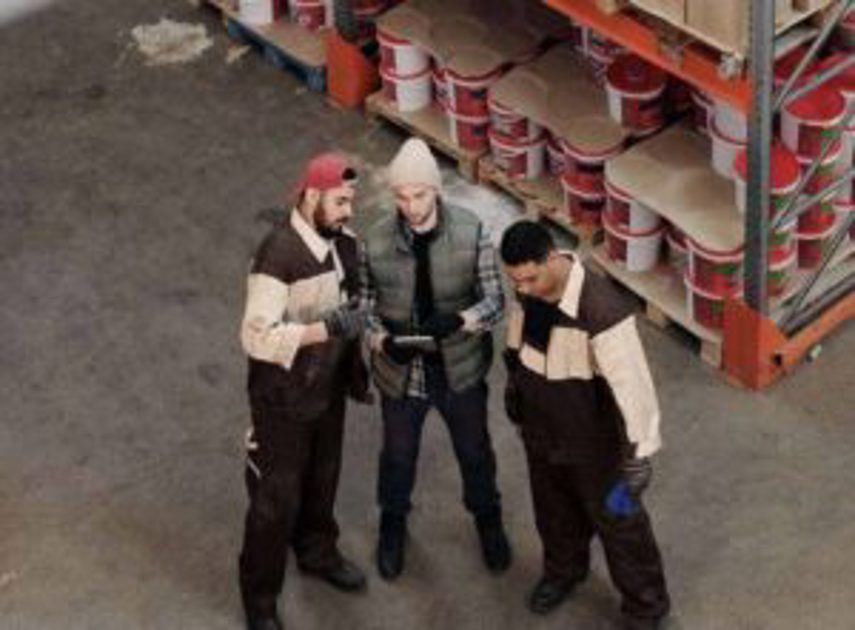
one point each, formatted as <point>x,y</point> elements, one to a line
<point>430,270</point>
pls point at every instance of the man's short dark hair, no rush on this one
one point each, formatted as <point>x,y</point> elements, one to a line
<point>525,242</point>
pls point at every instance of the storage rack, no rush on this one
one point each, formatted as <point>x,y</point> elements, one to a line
<point>760,341</point>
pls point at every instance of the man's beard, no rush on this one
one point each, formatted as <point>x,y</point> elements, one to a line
<point>326,230</point>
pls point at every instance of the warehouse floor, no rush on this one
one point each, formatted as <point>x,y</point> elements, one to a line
<point>131,197</point>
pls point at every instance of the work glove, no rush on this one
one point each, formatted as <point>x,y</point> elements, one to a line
<point>636,472</point>
<point>441,326</point>
<point>398,354</point>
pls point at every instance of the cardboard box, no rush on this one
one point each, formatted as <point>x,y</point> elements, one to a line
<point>726,22</point>
<point>673,11</point>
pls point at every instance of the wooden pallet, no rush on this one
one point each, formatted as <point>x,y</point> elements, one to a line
<point>664,295</point>
<point>285,45</point>
<point>431,125</point>
<point>542,198</point>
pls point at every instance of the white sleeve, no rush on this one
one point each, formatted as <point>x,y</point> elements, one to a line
<point>264,336</point>
<point>621,361</point>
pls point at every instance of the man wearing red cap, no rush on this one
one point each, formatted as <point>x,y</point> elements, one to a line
<point>304,274</point>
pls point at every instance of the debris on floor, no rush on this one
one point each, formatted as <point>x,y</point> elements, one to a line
<point>170,42</point>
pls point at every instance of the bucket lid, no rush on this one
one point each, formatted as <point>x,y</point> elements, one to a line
<point>822,105</point>
<point>632,75</point>
<point>783,166</point>
<point>575,186</point>
<point>596,156</point>
<point>403,25</point>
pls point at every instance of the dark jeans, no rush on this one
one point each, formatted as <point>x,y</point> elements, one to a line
<point>569,507</point>
<point>465,415</point>
<point>292,480</point>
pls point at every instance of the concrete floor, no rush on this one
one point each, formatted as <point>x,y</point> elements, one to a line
<point>129,207</point>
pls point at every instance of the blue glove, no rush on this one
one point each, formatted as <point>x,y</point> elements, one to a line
<point>620,501</point>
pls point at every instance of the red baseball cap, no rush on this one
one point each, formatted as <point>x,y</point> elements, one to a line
<point>325,172</point>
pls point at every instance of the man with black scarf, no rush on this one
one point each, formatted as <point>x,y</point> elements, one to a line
<point>429,269</point>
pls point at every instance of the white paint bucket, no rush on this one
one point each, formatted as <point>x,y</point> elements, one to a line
<point>468,132</point>
<point>730,122</point>
<point>635,94</point>
<point>408,93</point>
<point>519,159</point>
<point>627,213</point>
<point>582,205</point>
<point>511,124</point>
<point>588,168</point>
<point>724,152</point>
<point>706,308</point>
<point>400,55</point>
<point>714,271</point>
<point>635,251</point>
<point>807,121</point>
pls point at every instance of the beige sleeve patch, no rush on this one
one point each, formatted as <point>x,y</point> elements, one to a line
<point>568,355</point>
<point>515,327</point>
<point>621,361</point>
<point>308,298</point>
<point>263,335</point>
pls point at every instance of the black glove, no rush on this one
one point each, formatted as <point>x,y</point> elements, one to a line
<point>636,472</point>
<point>511,359</point>
<point>442,326</point>
<point>399,354</point>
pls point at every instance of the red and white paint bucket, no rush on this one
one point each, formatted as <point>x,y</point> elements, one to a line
<point>258,12</point>
<point>586,167</point>
<point>519,159</point>
<point>440,85</point>
<point>678,253</point>
<point>635,94</point>
<point>807,122</point>
<point>705,307</point>
<point>310,14</point>
<point>729,121</point>
<point>627,213</point>
<point>826,173</point>
<point>409,93</point>
<point>812,247</point>
<point>780,273</point>
<point>555,158</point>
<point>785,175</point>
<point>717,272</point>
<point>583,205</point>
<point>468,95</point>
<point>724,152</point>
<point>817,218</point>
<point>635,251</point>
<point>703,112</point>
<point>401,56</point>
<point>468,132</point>
<point>511,124</point>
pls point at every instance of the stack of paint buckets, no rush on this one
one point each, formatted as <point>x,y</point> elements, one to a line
<point>583,182</point>
<point>785,177</point>
<point>598,52</point>
<point>517,143</point>
<point>467,78</point>
<point>806,125</point>
<point>636,92</point>
<point>633,232</point>
<point>405,71</point>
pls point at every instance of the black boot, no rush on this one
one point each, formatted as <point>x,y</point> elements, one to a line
<point>494,543</point>
<point>548,593</point>
<point>390,547</point>
<point>272,622</point>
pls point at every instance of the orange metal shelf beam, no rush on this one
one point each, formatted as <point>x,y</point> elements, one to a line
<point>697,67</point>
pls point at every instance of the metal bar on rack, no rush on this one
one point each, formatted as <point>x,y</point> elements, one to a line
<point>818,43</point>
<point>813,310</point>
<point>825,193</point>
<point>759,150</point>
<point>837,240</point>
<point>828,143</point>
<point>818,80</point>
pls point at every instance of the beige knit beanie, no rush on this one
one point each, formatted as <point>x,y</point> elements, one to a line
<point>414,164</point>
